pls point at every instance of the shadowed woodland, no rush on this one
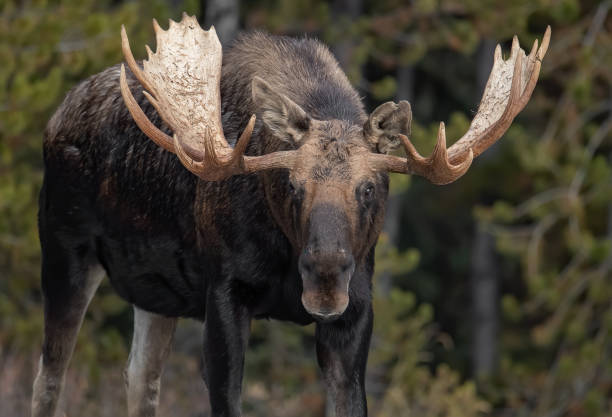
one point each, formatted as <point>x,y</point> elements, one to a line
<point>493,294</point>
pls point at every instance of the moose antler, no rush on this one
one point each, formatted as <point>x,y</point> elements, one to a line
<point>507,92</point>
<point>182,78</point>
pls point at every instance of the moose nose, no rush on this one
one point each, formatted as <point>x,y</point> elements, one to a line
<point>325,279</point>
<point>329,263</point>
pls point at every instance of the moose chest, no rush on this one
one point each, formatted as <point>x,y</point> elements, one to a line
<point>169,276</point>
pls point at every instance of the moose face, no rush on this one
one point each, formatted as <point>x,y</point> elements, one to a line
<point>335,205</point>
<point>331,202</point>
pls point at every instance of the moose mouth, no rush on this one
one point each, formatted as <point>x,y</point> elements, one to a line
<point>325,307</point>
<point>325,296</point>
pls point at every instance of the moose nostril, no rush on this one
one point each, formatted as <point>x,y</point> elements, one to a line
<point>333,262</point>
<point>348,264</point>
<point>305,263</point>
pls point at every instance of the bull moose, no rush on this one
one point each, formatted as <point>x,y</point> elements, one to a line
<point>194,208</point>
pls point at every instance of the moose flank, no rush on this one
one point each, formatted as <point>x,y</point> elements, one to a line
<point>194,207</point>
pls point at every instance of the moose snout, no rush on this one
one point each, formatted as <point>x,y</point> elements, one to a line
<point>329,263</point>
<point>325,278</point>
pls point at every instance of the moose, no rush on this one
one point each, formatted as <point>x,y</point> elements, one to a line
<point>230,189</point>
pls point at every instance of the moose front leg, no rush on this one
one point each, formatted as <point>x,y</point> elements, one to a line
<point>342,352</point>
<point>226,333</point>
<point>150,347</point>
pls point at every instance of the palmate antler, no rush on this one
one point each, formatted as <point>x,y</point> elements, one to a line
<point>507,92</point>
<point>182,78</point>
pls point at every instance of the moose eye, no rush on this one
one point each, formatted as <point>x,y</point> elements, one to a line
<point>291,188</point>
<point>368,191</point>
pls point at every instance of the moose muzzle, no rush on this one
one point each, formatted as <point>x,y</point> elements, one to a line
<point>326,264</point>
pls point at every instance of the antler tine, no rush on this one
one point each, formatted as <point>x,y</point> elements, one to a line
<point>436,168</point>
<point>129,58</point>
<point>157,29</point>
<point>243,140</point>
<point>210,152</point>
<point>534,49</point>
<point>545,43</point>
<point>143,122</point>
<point>515,47</point>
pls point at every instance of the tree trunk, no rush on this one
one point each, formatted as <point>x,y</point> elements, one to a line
<point>345,12</point>
<point>485,299</point>
<point>610,206</point>
<point>485,275</point>
<point>224,15</point>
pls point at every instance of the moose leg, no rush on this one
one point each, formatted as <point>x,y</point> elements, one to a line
<point>226,333</point>
<point>342,352</point>
<point>68,288</point>
<point>150,347</point>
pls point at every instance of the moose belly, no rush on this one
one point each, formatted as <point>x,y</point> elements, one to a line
<point>155,274</point>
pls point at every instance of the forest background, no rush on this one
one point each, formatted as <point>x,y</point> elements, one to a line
<point>493,294</point>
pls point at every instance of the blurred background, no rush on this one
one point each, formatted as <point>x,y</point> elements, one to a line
<point>493,294</point>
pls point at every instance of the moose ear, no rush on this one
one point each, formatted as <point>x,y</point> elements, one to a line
<point>284,118</point>
<point>386,123</point>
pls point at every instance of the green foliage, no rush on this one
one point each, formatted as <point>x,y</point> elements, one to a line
<point>403,332</point>
<point>389,260</point>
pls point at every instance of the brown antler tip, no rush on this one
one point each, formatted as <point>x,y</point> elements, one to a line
<point>498,53</point>
<point>545,43</point>
<point>252,120</point>
<point>515,46</point>
<point>248,130</point>
<point>244,139</point>
<point>534,49</point>
<point>156,27</point>
<point>149,51</point>
<point>441,143</point>
<point>438,156</point>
